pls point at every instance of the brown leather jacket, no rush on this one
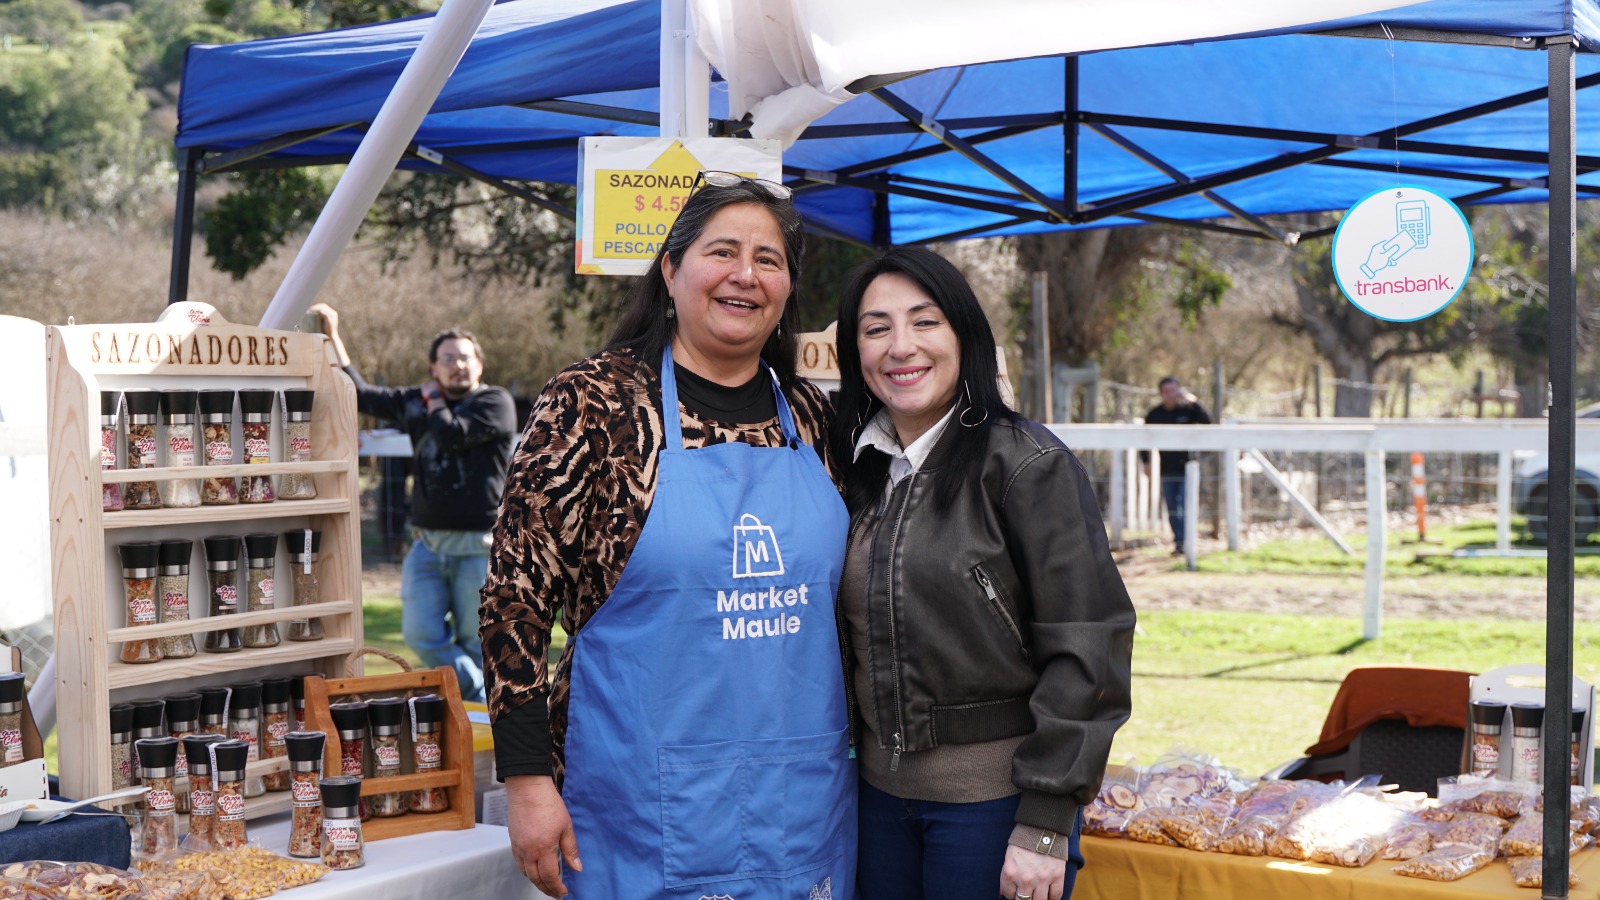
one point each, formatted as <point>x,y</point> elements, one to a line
<point>1001,616</point>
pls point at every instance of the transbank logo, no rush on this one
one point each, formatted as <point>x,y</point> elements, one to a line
<point>1402,253</point>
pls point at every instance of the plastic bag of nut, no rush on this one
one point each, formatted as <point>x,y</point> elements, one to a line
<point>89,881</point>
<point>250,872</point>
<point>1446,862</point>
<point>1528,871</point>
<point>1525,837</point>
<point>1107,815</point>
<point>1145,826</point>
<point>1346,831</point>
<point>1470,793</point>
<point>20,889</point>
<point>1409,840</point>
<point>1476,829</point>
<point>1184,774</point>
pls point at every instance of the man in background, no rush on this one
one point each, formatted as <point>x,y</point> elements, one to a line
<point>1177,407</point>
<point>462,433</point>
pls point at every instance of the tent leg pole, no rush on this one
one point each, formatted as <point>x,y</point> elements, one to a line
<point>1377,510</point>
<point>182,228</point>
<point>1563,430</point>
<point>685,76</point>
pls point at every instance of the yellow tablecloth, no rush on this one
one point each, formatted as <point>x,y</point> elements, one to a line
<point>1129,870</point>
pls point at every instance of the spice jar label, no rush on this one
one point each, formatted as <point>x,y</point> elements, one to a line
<point>350,762</point>
<point>344,834</point>
<point>387,757</point>
<point>108,449</point>
<point>160,802</point>
<point>299,449</point>
<point>202,803</point>
<point>230,807</point>
<point>141,611</point>
<point>266,590</point>
<point>275,733</point>
<point>258,451</point>
<point>305,793</point>
<point>11,741</point>
<point>124,765</point>
<point>180,450</point>
<point>146,448</point>
<point>177,604</point>
<point>219,451</point>
<point>427,755</point>
<point>1485,754</point>
<point>227,597</point>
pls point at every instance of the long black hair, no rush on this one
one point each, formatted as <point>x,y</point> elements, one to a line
<point>978,398</point>
<point>644,327</point>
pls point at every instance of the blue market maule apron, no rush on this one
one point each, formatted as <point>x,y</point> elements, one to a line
<point>707,753</point>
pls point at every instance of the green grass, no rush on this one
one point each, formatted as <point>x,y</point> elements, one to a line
<point>1319,556</point>
<point>1253,689</point>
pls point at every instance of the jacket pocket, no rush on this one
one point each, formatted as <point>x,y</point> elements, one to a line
<point>999,606</point>
<point>751,809</point>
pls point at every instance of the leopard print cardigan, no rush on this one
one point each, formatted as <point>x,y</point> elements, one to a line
<point>576,499</point>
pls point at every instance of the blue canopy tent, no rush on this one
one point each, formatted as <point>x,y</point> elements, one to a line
<point>1476,99</point>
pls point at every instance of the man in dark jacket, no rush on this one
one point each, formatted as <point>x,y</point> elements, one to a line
<point>462,432</point>
<point>1177,407</point>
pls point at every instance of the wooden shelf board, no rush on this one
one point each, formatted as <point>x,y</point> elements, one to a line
<point>201,626</point>
<point>174,473</point>
<point>121,675</point>
<point>241,513</point>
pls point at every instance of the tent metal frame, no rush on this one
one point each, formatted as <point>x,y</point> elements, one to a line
<point>1026,203</point>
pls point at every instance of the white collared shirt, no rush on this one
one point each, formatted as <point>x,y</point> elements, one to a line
<point>880,435</point>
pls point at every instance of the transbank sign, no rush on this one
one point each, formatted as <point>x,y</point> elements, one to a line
<point>1402,253</point>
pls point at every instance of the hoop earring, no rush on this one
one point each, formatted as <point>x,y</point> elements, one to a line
<point>967,389</point>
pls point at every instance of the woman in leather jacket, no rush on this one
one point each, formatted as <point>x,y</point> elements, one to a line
<point>985,630</point>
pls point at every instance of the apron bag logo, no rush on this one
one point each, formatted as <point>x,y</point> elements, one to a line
<point>755,549</point>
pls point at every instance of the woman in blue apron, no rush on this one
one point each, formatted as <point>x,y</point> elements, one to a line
<point>669,504</point>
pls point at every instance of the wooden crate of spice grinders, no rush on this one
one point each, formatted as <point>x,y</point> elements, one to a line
<point>454,775</point>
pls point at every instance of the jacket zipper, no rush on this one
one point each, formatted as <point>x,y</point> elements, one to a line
<point>1000,608</point>
<point>894,657</point>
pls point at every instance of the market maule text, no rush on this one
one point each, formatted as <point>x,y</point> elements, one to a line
<point>187,350</point>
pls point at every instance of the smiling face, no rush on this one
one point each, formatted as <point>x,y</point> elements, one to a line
<point>910,356</point>
<point>729,293</point>
<point>456,367</point>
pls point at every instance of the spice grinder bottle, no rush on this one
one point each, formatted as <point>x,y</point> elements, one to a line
<point>173,591</point>
<point>158,834</point>
<point>110,494</point>
<point>428,738</point>
<point>143,407</point>
<point>216,436</point>
<point>244,724</point>
<point>214,710</point>
<point>261,558</point>
<point>121,746</point>
<point>202,790</point>
<point>255,428</point>
<point>276,722</point>
<point>139,589</point>
<point>341,824</point>
<point>177,417</point>
<point>297,697</point>
<point>222,574</point>
<point>12,694</point>
<point>302,546</point>
<point>148,722</point>
<point>1526,720</point>
<point>183,720</point>
<point>228,779</point>
<point>297,427</point>
<point>386,717</point>
<point>1487,718</point>
<point>305,772</point>
<point>350,720</point>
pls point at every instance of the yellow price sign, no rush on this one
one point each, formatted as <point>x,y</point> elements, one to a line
<point>634,189</point>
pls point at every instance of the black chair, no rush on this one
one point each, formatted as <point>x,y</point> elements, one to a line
<point>1414,758</point>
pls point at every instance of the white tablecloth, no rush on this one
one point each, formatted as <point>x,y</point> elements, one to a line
<point>433,865</point>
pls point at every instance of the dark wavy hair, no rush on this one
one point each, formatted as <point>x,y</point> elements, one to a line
<point>644,327</point>
<point>977,399</point>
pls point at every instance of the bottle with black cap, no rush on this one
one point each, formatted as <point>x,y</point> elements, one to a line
<point>110,492</point>
<point>386,716</point>
<point>173,589</point>
<point>148,722</point>
<point>214,710</point>
<point>297,698</point>
<point>276,722</point>
<point>427,738</point>
<point>121,746</point>
<point>342,846</point>
<point>1526,720</point>
<point>255,409</point>
<point>244,724</point>
<point>261,560</point>
<point>305,773</point>
<point>222,574</point>
<point>139,591</point>
<point>12,693</point>
<point>202,790</point>
<point>303,546</point>
<point>350,720</point>
<point>228,833</point>
<point>143,450</point>
<point>297,428</point>
<point>158,759</point>
<point>177,419</point>
<point>216,440</point>
<point>183,719</point>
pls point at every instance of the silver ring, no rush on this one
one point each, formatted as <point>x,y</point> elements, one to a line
<point>1024,897</point>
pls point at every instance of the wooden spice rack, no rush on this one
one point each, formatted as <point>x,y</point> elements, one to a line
<point>190,347</point>
<point>455,775</point>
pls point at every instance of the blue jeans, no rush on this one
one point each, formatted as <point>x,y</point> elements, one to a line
<point>1172,496</point>
<point>434,587</point>
<point>924,850</point>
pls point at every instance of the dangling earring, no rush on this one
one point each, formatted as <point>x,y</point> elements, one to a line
<point>866,404</point>
<point>967,389</point>
<point>672,312</point>
<point>780,331</point>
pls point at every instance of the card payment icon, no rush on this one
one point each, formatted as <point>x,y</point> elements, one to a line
<point>1411,216</point>
<point>755,549</point>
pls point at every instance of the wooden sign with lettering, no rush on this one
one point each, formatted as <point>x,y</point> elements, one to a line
<point>818,361</point>
<point>192,339</point>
